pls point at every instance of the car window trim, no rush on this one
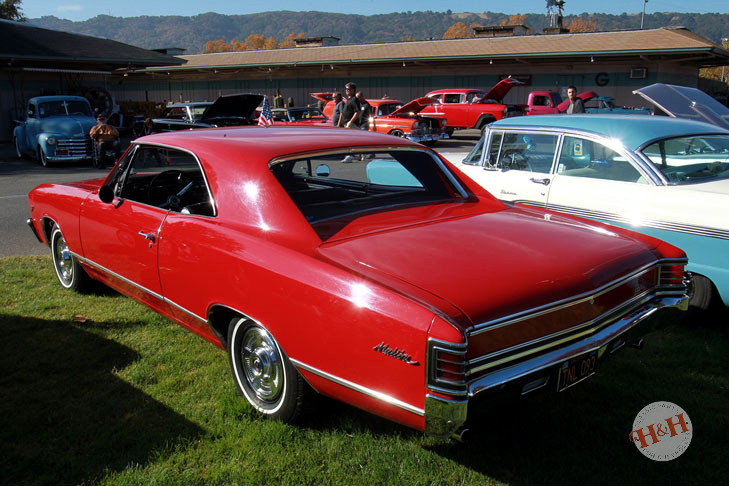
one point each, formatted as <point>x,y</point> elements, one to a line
<point>138,145</point>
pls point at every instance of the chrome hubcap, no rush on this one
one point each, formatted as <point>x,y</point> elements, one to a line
<point>262,364</point>
<point>64,264</point>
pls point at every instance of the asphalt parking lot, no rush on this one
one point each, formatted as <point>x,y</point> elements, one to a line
<point>19,176</point>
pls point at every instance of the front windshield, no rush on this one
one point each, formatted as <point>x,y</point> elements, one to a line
<point>692,159</point>
<point>64,108</point>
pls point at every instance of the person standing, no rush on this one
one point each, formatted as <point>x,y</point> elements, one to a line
<point>351,111</point>
<point>338,107</point>
<point>278,100</point>
<point>104,137</point>
<point>365,111</point>
<point>576,105</point>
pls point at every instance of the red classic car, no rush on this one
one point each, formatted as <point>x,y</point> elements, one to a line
<point>300,116</point>
<point>400,119</point>
<point>359,265</point>
<point>473,108</point>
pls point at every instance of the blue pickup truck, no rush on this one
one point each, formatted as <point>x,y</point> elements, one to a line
<point>56,129</point>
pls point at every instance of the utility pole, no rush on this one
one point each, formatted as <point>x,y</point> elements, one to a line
<point>643,16</point>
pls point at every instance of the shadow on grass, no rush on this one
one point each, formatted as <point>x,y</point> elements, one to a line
<point>64,417</point>
<point>580,436</point>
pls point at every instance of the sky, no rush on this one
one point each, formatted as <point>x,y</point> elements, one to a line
<point>86,9</point>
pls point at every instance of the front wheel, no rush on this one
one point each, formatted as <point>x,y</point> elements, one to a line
<point>262,371</point>
<point>68,270</point>
<point>18,152</point>
<point>397,133</point>
<point>42,157</point>
<point>703,293</point>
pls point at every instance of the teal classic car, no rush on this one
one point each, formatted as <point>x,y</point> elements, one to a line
<point>665,177</point>
<point>56,129</point>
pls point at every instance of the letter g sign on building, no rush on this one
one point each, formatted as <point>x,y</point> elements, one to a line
<point>662,431</point>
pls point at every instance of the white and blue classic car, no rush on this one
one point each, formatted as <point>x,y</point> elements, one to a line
<point>56,129</point>
<point>666,177</point>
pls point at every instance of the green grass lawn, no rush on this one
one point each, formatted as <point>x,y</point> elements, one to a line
<point>98,389</point>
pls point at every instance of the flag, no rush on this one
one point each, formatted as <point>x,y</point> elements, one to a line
<point>266,117</point>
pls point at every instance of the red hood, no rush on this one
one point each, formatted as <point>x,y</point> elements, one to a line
<point>414,106</point>
<point>324,96</point>
<point>584,96</point>
<point>498,92</point>
<point>490,264</point>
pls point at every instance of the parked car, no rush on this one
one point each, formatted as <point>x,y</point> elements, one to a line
<point>664,177</point>
<point>473,108</point>
<point>685,102</point>
<point>300,116</point>
<point>178,116</point>
<point>226,111</point>
<point>400,119</point>
<point>606,104</point>
<point>56,129</point>
<point>325,258</point>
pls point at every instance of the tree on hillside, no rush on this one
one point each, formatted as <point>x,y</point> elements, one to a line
<point>458,31</point>
<point>216,46</point>
<point>255,41</point>
<point>578,24</point>
<point>270,43</point>
<point>10,10</point>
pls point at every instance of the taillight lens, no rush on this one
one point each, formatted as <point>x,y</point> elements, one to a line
<point>671,275</point>
<point>446,366</point>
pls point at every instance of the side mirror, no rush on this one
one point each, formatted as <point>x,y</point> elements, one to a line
<point>323,170</point>
<point>106,194</point>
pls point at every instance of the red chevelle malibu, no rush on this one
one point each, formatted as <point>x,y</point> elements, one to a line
<point>358,265</point>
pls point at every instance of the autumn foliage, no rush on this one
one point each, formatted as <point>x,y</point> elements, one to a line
<point>253,42</point>
<point>458,31</point>
<point>578,24</point>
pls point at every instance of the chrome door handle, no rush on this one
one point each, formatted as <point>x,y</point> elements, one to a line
<point>544,181</point>
<point>147,236</point>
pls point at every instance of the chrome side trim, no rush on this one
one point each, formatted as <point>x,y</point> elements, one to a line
<point>560,355</point>
<point>561,304</point>
<point>359,388</point>
<point>137,286</point>
<point>647,223</point>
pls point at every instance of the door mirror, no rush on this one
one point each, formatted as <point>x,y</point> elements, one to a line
<point>323,170</point>
<point>106,194</point>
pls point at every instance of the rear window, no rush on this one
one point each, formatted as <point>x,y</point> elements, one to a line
<point>333,189</point>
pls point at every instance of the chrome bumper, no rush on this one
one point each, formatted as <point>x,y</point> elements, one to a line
<point>427,138</point>
<point>445,416</point>
<point>29,221</point>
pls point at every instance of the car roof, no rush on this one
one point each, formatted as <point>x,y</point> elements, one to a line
<point>270,142</point>
<point>632,130</point>
<point>191,103</point>
<point>456,90</point>
<point>40,99</point>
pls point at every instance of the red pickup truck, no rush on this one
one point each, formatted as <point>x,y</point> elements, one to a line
<point>551,102</point>
<point>473,108</point>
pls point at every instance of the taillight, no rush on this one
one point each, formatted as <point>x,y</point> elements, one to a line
<point>671,277</point>
<point>447,367</point>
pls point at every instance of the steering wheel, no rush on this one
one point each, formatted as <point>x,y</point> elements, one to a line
<point>514,159</point>
<point>160,185</point>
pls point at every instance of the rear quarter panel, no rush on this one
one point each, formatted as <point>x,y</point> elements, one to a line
<point>58,203</point>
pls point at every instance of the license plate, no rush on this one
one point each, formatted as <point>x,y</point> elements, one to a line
<point>576,369</point>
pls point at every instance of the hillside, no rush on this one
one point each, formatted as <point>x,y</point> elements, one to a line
<point>191,33</point>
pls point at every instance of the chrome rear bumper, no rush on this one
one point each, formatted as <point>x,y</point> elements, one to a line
<point>444,416</point>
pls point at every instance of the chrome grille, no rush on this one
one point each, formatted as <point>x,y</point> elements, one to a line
<point>73,147</point>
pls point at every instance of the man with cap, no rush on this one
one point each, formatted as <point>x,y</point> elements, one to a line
<point>105,137</point>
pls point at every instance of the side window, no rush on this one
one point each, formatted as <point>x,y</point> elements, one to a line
<point>585,158</point>
<point>438,97</point>
<point>168,179</point>
<point>533,152</point>
<point>452,98</point>
<point>474,157</point>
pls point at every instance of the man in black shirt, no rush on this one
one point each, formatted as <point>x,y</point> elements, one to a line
<point>351,111</point>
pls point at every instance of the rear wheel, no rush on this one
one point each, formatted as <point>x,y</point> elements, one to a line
<point>703,292</point>
<point>263,373</point>
<point>68,270</point>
